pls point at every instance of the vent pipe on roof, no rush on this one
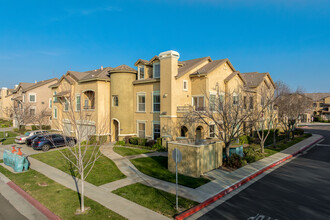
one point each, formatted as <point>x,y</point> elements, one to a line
<point>101,67</point>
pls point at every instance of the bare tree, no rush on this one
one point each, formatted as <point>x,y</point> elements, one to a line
<point>76,121</point>
<point>41,117</point>
<point>291,106</point>
<point>227,111</point>
<point>19,112</point>
<point>263,115</point>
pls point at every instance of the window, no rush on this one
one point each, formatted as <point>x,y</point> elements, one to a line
<point>32,97</point>
<point>142,129</point>
<point>86,103</point>
<point>235,99</point>
<point>32,111</point>
<point>114,100</point>
<point>141,72</point>
<point>314,104</point>
<point>251,102</point>
<point>78,102</point>
<point>50,104</point>
<point>55,98</point>
<point>66,105</point>
<point>55,113</point>
<point>156,102</point>
<point>221,101</point>
<point>198,103</point>
<point>212,102</point>
<point>262,101</point>
<point>245,102</point>
<point>156,70</point>
<point>156,130</point>
<point>185,85</point>
<point>141,102</point>
<point>211,131</point>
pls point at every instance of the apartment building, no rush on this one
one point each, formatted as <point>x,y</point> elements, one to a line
<point>321,106</point>
<point>5,103</point>
<point>88,94</point>
<point>150,101</point>
<point>35,98</point>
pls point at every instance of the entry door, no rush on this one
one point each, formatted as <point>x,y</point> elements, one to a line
<point>198,134</point>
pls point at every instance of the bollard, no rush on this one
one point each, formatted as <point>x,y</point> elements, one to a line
<point>19,151</point>
<point>13,150</point>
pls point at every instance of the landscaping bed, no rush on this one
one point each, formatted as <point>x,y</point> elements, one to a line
<point>252,153</point>
<point>60,200</point>
<point>154,199</point>
<point>157,168</point>
<point>129,151</point>
<point>5,123</point>
<point>104,170</point>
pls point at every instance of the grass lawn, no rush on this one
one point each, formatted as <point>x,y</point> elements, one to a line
<point>126,151</point>
<point>57,198</point>
<point>154,199</point>
<point>284,145</point>
<point>157,167</point>
<point>104,170</point>
<point>11,137</point>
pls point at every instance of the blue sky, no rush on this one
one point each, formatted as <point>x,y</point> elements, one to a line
<point>288,39</point>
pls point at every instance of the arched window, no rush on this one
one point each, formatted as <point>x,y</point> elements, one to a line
<point>184,131</point>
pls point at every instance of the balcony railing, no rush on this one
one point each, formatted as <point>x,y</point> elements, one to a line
<point>86,107</point>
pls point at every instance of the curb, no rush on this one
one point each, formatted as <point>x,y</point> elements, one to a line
<point>211,200</point>
<point>33,202</point>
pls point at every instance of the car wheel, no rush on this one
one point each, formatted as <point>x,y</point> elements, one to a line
<point>45,147</point>
<point>71,143</point>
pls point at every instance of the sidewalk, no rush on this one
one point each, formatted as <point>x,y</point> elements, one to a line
<point>111,201</point>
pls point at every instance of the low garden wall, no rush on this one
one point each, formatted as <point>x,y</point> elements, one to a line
<point>196,159</point>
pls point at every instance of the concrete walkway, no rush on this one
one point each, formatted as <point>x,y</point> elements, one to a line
<point>127,168</point>
<point>111,201</point>
<point>221,179</point>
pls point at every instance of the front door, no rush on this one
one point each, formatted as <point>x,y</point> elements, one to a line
<point>199,133</point>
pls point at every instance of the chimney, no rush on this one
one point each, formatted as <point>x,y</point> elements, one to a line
<point>101,67</point>
<point>15,86</point>
<point>35,81</point>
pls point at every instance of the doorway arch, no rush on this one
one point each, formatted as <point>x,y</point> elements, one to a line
<point>199,133</point>
<point>115,129</point>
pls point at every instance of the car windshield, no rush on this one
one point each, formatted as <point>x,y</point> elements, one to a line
<point>27,134</point>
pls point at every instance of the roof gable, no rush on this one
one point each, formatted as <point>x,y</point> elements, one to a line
<point>188,65</point>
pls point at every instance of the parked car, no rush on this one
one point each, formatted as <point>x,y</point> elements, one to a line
<point>28,141</point>
<point>48,141</point>
<point>21,139</point>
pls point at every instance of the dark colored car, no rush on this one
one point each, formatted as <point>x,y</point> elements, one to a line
<point>47,141</point>
<point>28,141</point>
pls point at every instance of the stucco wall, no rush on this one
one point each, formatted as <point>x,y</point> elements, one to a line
<point>196,159</point>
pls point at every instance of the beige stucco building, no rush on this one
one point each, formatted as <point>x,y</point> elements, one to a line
<point>35,97</point>
<point>321,106</point>
<point>152,101</point>
<point>5,103</point>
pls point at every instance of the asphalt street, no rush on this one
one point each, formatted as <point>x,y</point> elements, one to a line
<point>7,211</point>
<point>300,189</point>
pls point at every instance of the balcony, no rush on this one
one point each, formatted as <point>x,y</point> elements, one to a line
<point>89,108</point>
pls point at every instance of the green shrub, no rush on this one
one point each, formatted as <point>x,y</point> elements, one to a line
<point>298,131</point>
<point>250,155</point>
<point>234,161</point>
<point>134,140</point>
<point>34,127</point>
<point>244,162</point>
<point>45,127</point>
<point>16,129</point>
<point>245,139</point>
<point>142,141</point>
<point>121,143</point>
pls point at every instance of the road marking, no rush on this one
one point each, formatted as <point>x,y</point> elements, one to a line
<point>260,217</point>
<point>324,145</point>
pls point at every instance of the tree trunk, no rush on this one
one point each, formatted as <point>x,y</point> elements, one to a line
<point>227,150</point>
<point>82,205</point>
<point>262,146</point>
<point>274,138</point>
